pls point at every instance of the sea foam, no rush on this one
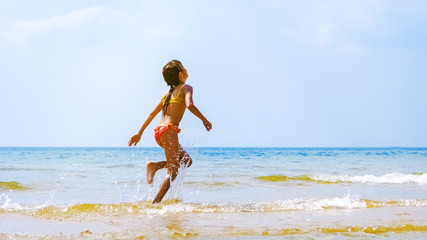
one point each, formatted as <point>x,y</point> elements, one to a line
<point>175,206</point>
<point>391,178</point>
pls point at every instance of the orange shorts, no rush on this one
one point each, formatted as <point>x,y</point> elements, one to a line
<point>159,130</point>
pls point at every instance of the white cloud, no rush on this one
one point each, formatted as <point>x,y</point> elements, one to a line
<point>323,24</point>
<point>21,30</point>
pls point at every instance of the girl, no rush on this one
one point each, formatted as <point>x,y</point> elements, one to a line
<point>173,105</point>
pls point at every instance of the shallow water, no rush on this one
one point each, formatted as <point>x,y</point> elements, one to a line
<point>228,193</point>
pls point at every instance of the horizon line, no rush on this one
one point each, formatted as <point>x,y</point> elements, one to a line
<point>214,147</point>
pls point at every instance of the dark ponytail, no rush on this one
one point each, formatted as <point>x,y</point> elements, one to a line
<point>171,75</point>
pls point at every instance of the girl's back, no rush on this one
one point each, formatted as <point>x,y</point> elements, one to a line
<point>176,107</point>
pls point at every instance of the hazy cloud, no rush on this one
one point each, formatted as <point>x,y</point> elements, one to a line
<point>21,29</point>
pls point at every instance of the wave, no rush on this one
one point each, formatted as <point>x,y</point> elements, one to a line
<point>378,230</point>
<point>211,184</point>
<point>12,186</point>
<point>392,178</point>
<point>175,206</point>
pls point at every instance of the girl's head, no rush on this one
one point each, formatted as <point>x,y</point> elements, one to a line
<point>174,73</point>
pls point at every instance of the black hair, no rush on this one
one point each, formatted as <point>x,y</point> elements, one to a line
<point>171,75</point>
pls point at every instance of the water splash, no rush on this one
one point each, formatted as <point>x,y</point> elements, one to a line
<point>175,191</point>
<point>58,184</point>
<point>119,190</point>
<point>6,203</point>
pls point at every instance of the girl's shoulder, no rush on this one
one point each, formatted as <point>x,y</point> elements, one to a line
<point>187,88</point>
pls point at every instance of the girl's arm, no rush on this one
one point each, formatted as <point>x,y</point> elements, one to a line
<point>190,105</point>
<point>135,139</point>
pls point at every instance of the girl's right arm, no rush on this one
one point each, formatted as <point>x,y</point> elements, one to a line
<point>190,105</point>
<point>135,139</point>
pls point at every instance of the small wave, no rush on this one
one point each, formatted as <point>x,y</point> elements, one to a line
<point>174,206</point>
<point>12,186</point>
<point>398,203</point>
<point>305,178</point>
<point>392,178</point>
<point>378,230</point>
<point>212,184</point>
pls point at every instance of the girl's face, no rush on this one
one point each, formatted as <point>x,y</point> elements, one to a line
<point>183,75</point>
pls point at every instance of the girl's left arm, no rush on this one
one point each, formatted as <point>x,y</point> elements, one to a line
<point>193,109</point>
<point>135,139</point>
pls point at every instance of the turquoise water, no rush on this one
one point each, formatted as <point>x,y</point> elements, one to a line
<point>228,193</point>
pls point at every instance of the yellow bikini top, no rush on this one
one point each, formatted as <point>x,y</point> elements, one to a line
<point>176,99</point>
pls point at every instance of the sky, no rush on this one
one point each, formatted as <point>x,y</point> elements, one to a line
<point>269,73</point>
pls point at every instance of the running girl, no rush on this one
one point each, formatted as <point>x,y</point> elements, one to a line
<point>173,105</point>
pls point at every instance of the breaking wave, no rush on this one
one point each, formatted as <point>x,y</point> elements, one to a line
<point>175,206</point>
<point>392,178</point>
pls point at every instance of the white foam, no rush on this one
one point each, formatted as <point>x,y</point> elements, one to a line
<point>346,202</point>
<point>315,204</point>
<point>391,178</point>
<point>7,203</point>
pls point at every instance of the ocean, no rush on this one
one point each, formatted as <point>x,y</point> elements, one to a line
<point>228,193</point>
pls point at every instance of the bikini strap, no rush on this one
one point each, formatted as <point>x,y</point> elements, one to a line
<point>180,90</point>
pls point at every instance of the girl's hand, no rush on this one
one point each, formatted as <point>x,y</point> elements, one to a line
<point>134,140</point>
<point>208,125</point>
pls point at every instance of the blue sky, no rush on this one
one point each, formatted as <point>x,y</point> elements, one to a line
<point>265,73</point>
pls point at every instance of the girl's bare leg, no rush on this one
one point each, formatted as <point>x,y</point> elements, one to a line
<point>172,152</point>
<point>184,157</point>
<point>152,167</point>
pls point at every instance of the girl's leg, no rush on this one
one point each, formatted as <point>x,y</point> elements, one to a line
<point>184,157</point>
<point>172,152</point>
<point>152,167</point>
